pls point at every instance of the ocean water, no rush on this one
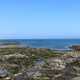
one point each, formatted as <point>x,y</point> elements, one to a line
<point>45,43</point>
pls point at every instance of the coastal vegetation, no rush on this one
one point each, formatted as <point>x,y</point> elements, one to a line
<point>25,63</point>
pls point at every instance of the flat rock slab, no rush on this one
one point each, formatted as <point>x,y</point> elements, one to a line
<point>76,78</point>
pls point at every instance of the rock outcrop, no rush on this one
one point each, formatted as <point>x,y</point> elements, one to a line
<point>38,64</point>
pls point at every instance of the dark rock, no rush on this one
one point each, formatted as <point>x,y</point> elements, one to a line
<point>75,47</point>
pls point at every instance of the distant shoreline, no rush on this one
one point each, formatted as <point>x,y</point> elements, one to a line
<point>54,44</point>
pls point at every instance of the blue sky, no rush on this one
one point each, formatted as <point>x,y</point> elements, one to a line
<point>39,19</point>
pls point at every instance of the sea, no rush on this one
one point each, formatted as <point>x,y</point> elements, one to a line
<point>44,43</point>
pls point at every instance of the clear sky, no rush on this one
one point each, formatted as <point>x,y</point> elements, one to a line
<point>39,19</point>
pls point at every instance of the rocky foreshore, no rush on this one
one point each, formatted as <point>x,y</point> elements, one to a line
<point>24,63</point>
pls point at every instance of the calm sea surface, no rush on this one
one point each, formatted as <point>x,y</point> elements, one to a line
<point>45,43</point>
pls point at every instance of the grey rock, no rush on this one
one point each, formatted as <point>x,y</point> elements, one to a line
<point>3,73</point>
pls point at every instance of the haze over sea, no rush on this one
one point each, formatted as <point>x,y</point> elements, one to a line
<point>45,43</point>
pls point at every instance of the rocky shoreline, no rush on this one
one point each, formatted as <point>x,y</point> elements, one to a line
<point>24,63</point>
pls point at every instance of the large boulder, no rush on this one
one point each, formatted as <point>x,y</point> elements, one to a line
<point>56,63</point>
